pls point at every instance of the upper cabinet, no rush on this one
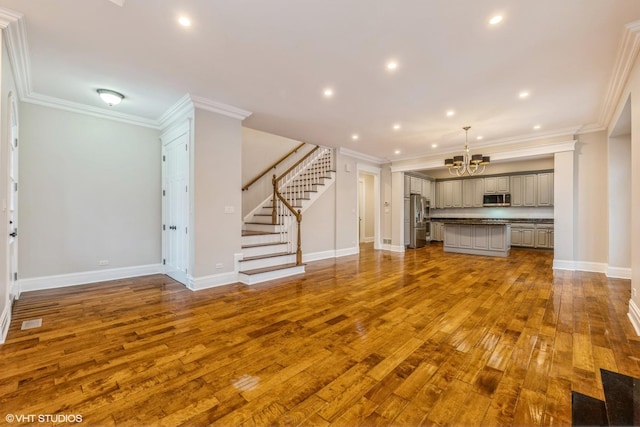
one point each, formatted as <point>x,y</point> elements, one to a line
<point>527,190</point>
<point>524,190</point>
<point>545,189</point>
<point>472,193</point>
<point>496,185</point>
<point>416,185</point>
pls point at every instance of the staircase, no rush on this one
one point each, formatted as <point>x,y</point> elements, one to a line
<point>621,406</point>
<point>269,251</point>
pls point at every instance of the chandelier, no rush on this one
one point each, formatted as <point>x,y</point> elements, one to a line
<point>470,165</point>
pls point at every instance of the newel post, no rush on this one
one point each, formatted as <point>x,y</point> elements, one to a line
<point>299,250</point>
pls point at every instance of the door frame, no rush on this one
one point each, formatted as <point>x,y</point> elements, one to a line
<point>12,196</point>
<point>375,172</point>
<point>167,138</point>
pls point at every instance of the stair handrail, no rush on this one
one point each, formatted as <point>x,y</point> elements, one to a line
<point>273,166</point>
<point>277,184</point>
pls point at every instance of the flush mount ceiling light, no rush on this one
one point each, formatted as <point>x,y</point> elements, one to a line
<point>470,165</point>
<point>111,97</point>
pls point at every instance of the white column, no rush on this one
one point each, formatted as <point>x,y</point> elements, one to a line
<point>563,211</point>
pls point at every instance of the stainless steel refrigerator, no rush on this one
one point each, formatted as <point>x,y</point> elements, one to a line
<point>419,221</point>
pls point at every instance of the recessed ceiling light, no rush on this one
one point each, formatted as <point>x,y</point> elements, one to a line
<point>397,152</point>
<point>328,93</point>
<point>523,94</point>
<point>479,137</point>
<point>184,21</point>
<point>355,136</point>
<point>392,65</point>
<point>536,127</point>
<point>450,113</point>
<point>434,145</point>
<point>396,126</point>
<point>495,20</point>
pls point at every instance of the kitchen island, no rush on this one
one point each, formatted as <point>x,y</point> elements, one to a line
<point>477,237</point>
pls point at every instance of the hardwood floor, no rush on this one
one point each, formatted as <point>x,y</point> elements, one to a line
<point>424,338</point>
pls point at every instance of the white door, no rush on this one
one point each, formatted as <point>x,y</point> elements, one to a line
<point>175,158</point>
<point>13,198</point>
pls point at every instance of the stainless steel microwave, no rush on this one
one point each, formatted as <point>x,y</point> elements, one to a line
<point>493,200</point>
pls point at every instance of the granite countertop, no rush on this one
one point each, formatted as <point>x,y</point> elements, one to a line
<point>497,221</point>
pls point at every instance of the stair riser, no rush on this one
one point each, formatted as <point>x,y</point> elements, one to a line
<point>264,250</point>
<point>264,238</point>
<point>272,275</point>
<point>265,227</point>
<point>266,262</point>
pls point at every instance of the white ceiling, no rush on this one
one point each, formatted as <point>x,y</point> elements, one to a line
<point>275,57</point>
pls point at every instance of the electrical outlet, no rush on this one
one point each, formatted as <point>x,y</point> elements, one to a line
<point>219,265</point>
<point>103,262</point>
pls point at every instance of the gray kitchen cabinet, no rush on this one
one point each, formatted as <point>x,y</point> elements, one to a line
<point>523,235</point>
<point>545,189</point>
<point>467,193</point>
<point>407,186</point>
<point>440,194</point>
<point>452,194</point>
<point>524,190</point>
<point>426,188</point>
<point>496,185</point>
<point>544,236</point>
<point>416,185</point>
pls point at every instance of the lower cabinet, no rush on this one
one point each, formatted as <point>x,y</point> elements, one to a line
<point>528,235</point>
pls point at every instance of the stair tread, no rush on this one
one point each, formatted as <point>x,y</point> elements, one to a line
<point>257,233</point>
<point>258,245</point>
<point>266,256</point>
<point>260,223</point>
<point>269,269</point>
<point>587,411</point>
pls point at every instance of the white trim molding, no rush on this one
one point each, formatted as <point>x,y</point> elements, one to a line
<point>560,264</point>
<point>361,156</point>
<point>592,267</point>
<point>85,277</point>
<point>625,58</point>
<point>219,108</point>
<point>5,321</point>
<point>212,281</point>
<point>619,272</point>
<point>634,316</point>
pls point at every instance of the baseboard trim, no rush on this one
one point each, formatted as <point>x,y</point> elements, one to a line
<point>559,264</point>
<point>212,281</point>
<point>594,267</point>
<point>347,251</point>
<point>5,321</point>
<point>318,256</point>
<point>85,277</point>
<point>634,316</point>
<point>394,248</point>
<point>619,272</point>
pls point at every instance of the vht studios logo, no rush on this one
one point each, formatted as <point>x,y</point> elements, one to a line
<point>43,418</point>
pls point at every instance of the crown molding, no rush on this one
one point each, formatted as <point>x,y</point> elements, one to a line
<point>219,107</point>
<point>520,153</point>
<point>8,16</point>
<point>75,107</point>
<point>182,109</point>
<point>362,156</point>
<point>625,59</point>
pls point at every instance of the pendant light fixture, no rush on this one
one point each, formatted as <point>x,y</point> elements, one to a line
<point>466,164</point>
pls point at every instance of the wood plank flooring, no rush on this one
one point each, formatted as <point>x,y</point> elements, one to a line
<point>421,338</point>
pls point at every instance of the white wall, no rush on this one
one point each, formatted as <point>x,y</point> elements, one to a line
<point>217,152</point>
<point>369,207</point>
<point>90,190</point>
